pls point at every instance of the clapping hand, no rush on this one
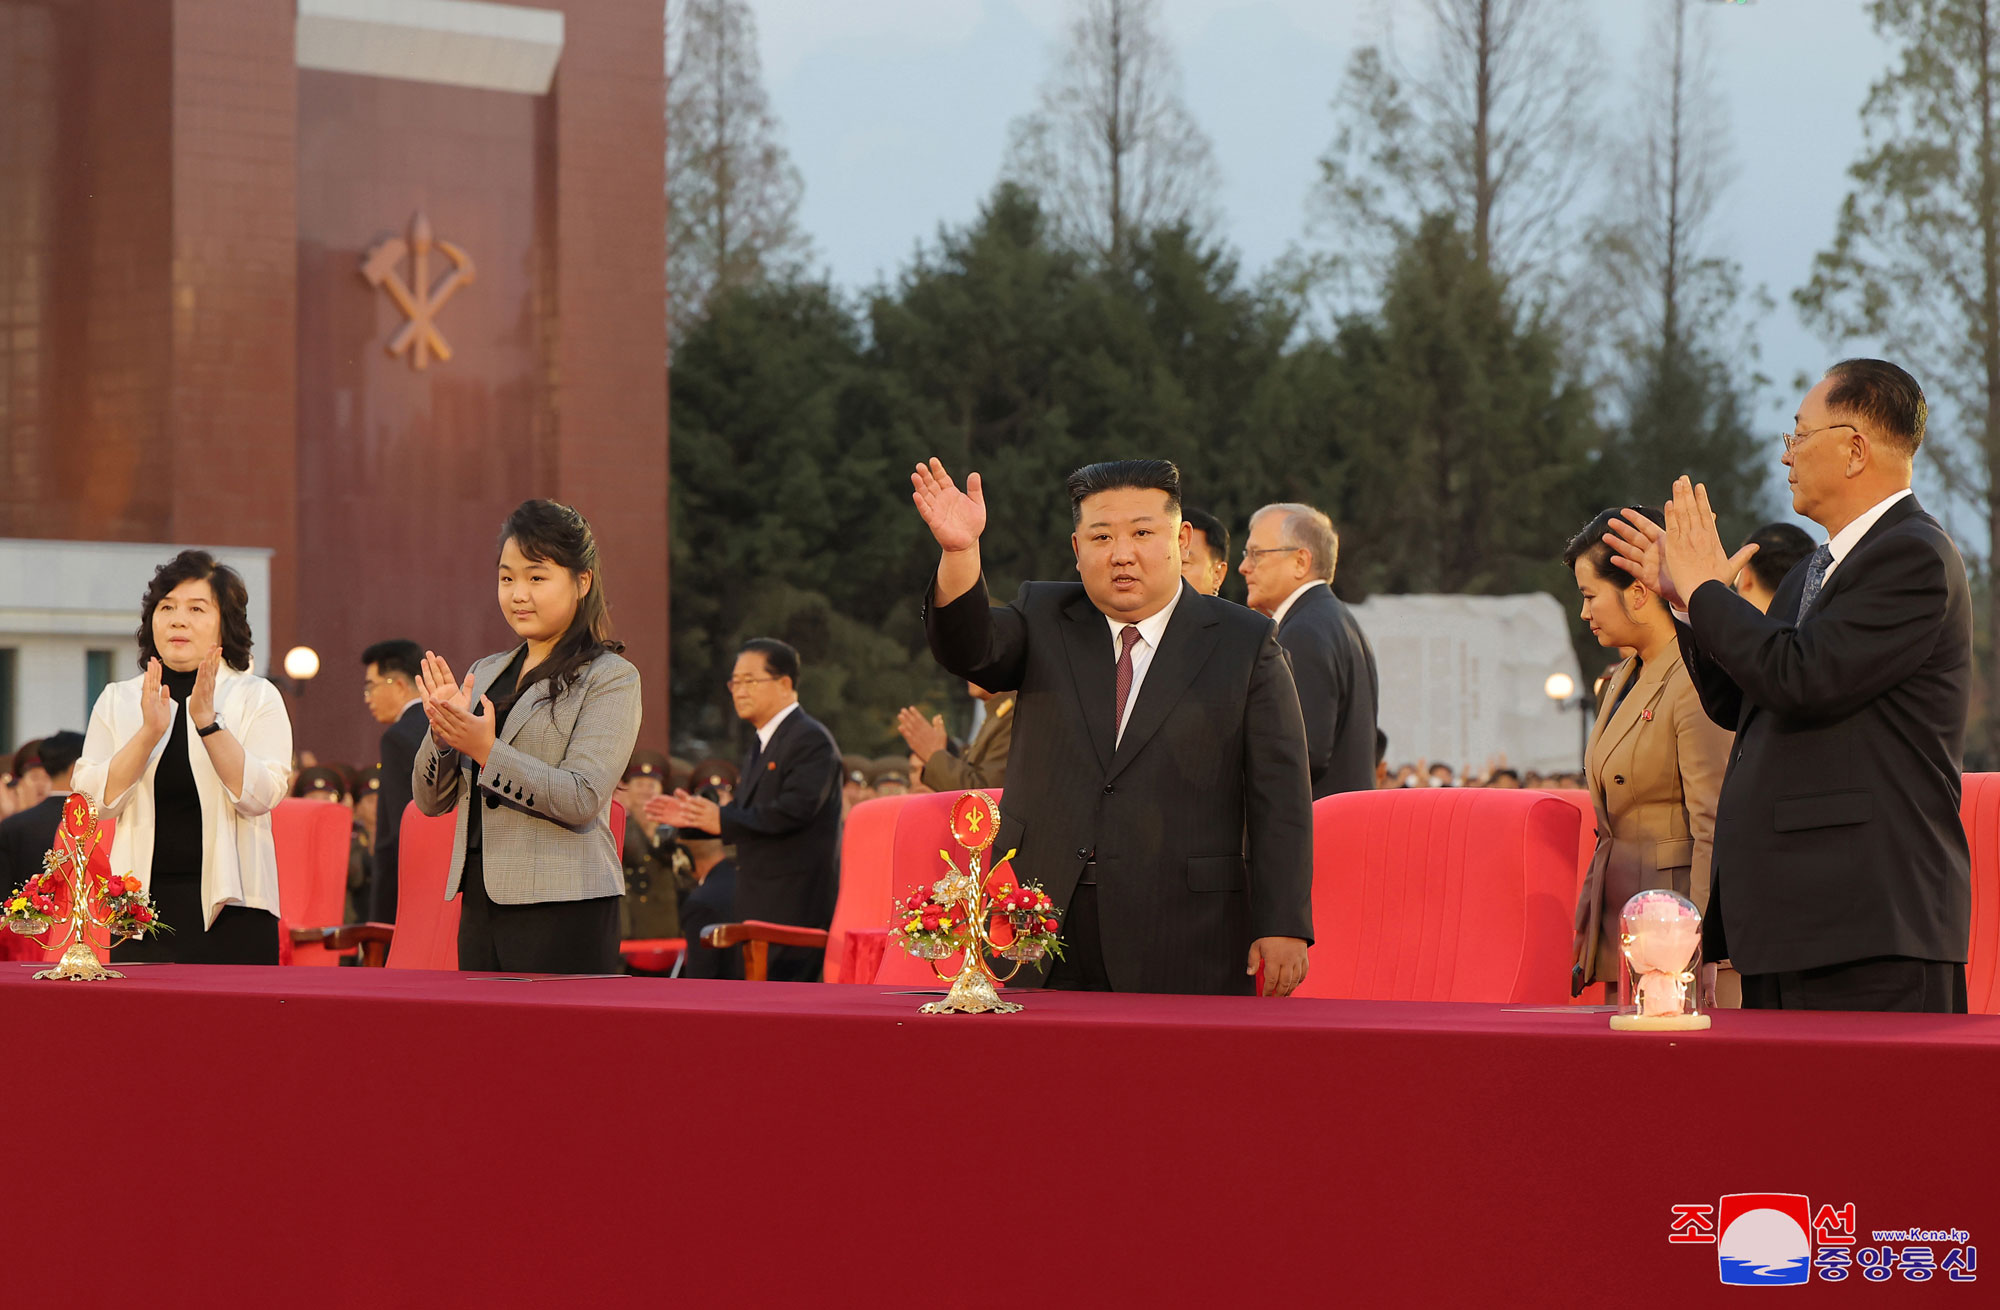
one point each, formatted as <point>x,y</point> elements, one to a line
<point>926,737</point>
<point>695,813</point>
<point>201,701</point>
<point>1676,561</point>
<point>448,706</point>
<point>955,518</point>
<point>156,702</point>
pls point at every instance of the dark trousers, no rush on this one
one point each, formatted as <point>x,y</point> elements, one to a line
<point>239,935</point>
<point>540,937</point>
<point>1081,968</point>
<point>1883,982</point>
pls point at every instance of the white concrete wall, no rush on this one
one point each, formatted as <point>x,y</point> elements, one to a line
<point>1462,680</point>
<point>61,599</point>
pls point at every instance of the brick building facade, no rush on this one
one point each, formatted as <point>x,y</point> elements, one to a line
<point>191,354</point>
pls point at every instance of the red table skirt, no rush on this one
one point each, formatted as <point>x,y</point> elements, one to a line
<point>278,1137</point>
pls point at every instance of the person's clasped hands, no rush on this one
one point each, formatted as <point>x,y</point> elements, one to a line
<point>448,706</point>
<point>1676,561</point>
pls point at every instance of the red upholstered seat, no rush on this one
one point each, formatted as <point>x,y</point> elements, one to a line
<point>1980,811</point>
<point>426,923</point>
<point>653,954</point>
<point>1443,894</point>
<point>312,838</point>
<point>867,850</point>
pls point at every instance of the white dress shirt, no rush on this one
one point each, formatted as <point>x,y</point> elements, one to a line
<point>1150,632</point>
<point>1850,536</point>
<point>770,728</point>
<point>1278,614</point>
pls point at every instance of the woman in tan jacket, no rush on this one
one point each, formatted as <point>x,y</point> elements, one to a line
<point>1654,767</point>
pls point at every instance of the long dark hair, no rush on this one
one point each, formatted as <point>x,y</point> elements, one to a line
<point>232,602</point>
<point>548,532</point>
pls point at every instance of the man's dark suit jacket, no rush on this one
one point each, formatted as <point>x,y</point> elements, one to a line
<point>400,742</point>
<point>25,838</point>
<point>1837,834</point>
<point>1200,819</point>
<point>785,824</point>
<point>1334,670</point>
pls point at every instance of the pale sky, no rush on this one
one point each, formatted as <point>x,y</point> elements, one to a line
<point>896,113</point>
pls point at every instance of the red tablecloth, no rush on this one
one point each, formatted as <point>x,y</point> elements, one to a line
<point>323,1136</point>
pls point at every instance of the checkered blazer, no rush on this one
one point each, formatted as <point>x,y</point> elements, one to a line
<point>547,786</point>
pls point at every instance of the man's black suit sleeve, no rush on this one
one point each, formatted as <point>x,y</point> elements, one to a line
<point>1277,801</point>
<point>1875,633</point>
<point>399,763</point>
<point>974,639</point>
<point>809,774</point>
<point>1321,683</point>
<point>1720,696</point>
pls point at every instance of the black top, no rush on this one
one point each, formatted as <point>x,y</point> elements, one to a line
<point>176,802</point>
<point>502,694</point>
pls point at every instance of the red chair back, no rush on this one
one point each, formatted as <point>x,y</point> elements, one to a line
<point>618,827</point>
<point>923,828</point>
<point>1443,894</point>
<point>867,857</point>
<point>1980,810</point>
<point>426,923</point>
<point>312,839</point>
<point>1586,850</point>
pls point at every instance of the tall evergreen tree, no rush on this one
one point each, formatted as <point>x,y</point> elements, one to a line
<point>1915,260</point>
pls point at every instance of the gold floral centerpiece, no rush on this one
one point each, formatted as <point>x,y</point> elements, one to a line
<point>973,913</point>
<point>66,895</point>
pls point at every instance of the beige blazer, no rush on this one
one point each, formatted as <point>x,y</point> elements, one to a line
<point>1654,771</point>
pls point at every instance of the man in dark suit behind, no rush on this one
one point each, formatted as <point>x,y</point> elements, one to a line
<point>1841,877</point>
<point>1157,784</point>
<point>389,684</point>
<point>26,837</point>
<point>784,819</point>
<point>1288,564</point>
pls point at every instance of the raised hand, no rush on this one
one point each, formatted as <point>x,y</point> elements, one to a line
<point>201,701</point>
<point>1693,543</point>
<point>956,518</point>
<point>1638,545</point>
<point>438,686</point>
<point>156,702</point>
<point>925,737</point>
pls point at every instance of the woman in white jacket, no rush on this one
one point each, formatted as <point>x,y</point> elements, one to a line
<point>190,757</point>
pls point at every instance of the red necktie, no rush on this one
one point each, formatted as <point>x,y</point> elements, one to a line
<point>1128,637</point>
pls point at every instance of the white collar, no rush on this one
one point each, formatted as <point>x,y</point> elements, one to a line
<point>1285,606</point>
<point>1150,630</point>
<point>1850,536</point>
<point>765,733</point>
<point>414,700</point>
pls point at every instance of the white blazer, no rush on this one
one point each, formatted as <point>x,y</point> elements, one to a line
<point>239,864</point>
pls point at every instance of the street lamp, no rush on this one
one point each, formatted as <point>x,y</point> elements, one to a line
<point>1561,688</point>
<point>302,665</point>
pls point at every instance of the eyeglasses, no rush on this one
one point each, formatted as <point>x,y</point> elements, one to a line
<point>1791,440</point>
<point>1250,556</point>
<point>735,683</point>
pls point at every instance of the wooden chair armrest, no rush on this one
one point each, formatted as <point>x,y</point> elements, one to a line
<point>756,930</point>
<point>756,937</point>
<point>372,938</point>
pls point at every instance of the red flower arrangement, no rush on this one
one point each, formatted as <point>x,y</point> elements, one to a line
<point>125,909</point>
<point>928,928</point>
<point>1031,920</point>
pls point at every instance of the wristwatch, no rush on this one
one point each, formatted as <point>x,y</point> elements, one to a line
<point>213,728</point>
